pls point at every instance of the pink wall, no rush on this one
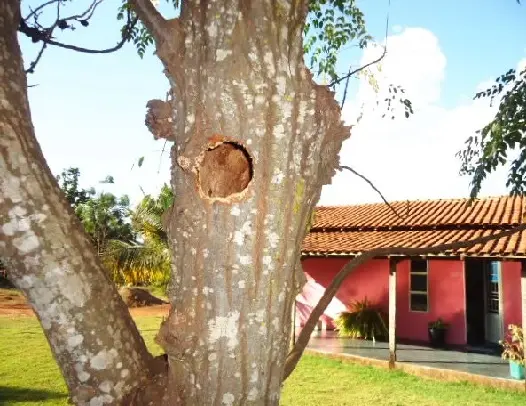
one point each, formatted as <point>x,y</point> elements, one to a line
<point>369,280</point>
<point>511,293</point>
<point>446,300</point>
<point>446,294</point>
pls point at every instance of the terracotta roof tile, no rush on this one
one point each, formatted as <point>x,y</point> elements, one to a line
<point>495,211</point>
<point>350,230</point>
<point>355,242</point>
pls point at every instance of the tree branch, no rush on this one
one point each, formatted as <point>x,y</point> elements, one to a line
<point>119,45</point>
<point>33,64</point>
<point>41,7</point>
<point>150,17</point>
<point>376,190</point>
<point>303,339</point>
<point>353,72</point>
<point>88,327</point>
<point>38,33</point>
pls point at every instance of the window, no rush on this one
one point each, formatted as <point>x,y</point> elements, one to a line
<point>493,287</point>
<point>418,293</point>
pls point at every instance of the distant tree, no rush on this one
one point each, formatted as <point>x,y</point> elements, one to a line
<point>146,261</point>
<point>69,183</point>
<point>106,218</point>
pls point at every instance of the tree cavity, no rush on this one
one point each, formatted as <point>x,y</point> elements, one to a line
<point>226,170</point>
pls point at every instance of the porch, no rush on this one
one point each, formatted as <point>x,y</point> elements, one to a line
<point>474,363</point>
<point>419,360</point>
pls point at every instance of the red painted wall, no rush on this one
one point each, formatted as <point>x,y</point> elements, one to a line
<point>511,293</point>
<point>446,300</point>
<point>446,294</point>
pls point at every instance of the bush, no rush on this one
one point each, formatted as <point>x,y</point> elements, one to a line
<point>364,321</point>
<point>513,345</point>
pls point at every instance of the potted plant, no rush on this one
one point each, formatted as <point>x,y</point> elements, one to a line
<point>513,351</point>
<point>437,332</point>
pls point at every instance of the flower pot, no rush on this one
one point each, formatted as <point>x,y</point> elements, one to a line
<point>437,337</point>
<point>516,370</point>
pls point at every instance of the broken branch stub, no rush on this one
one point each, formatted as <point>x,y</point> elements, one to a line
<point>159,119</point>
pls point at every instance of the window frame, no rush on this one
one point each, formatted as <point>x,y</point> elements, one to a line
<point>418,292</point>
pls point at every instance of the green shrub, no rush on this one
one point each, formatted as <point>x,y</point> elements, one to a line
<point>364,321</point>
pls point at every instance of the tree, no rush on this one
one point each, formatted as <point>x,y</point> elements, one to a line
<point>105,218</point>
<point>146,262</point>
<point>255,140</point>
<point>89,329</point>
<point>503,136</point>
<point>69,183</point>
<point>492,145</point>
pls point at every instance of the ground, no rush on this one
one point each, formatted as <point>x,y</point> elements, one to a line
<point>13,303</point>
<point>39,382</point>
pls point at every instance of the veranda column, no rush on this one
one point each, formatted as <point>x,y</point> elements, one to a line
<point>392,312</point>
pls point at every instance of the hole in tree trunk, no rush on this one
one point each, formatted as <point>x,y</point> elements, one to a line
<point>226,169</point>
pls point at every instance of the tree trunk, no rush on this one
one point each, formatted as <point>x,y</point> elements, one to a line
<point>89,329</point>
<point>255,140</point>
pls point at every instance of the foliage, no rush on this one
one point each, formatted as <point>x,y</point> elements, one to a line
<point>147,262</point>
<point>491,146</point>
<point>307,386</point>
<point>364,321</point>
<point>513,345</point>
<point>105,218</point>
<point>438,324</point>
<point>331,25</point>
<point>132,244</point>
<point>69,184</point>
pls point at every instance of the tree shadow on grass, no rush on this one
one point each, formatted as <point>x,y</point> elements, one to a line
<point>10,394</point>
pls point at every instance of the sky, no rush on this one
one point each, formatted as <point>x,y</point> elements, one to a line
<point>88,110</point>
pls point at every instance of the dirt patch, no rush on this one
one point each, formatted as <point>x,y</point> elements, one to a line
<point>159,310</point>
<point>137,297</point>
<point>13,303</point>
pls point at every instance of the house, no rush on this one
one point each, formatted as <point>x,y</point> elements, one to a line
<point>476,290</point>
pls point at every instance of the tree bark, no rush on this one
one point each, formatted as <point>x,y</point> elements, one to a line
<point>255,140</point>
<point>88,327</point>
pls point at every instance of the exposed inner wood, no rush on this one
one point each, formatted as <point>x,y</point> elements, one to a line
<point>226,169</point>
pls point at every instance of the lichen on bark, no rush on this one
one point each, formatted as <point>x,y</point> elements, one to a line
<point>91,334</point>
<point>237,72</point>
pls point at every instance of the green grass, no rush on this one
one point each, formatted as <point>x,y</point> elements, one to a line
<point>29,376</point>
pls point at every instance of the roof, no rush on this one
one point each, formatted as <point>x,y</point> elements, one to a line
<point>350,230</point>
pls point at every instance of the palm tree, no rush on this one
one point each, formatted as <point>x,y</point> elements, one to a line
<point>147,261</point>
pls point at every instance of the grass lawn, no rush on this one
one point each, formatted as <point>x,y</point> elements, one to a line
<point>29,376</point>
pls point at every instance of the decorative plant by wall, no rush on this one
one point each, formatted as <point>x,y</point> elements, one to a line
<point>513,345</point>
<point>364,321</point>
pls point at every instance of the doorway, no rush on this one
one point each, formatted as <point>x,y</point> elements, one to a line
<point>483,302</point>
<point>493,287</point>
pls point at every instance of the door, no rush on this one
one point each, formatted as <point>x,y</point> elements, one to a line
<point>493,288</point>
<point>475,301</point>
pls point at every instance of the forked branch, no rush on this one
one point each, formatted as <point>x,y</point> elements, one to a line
<point>32,28</point>
<point>303,338</point>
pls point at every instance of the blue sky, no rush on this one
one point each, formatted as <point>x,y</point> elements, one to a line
<point>88,110</point>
